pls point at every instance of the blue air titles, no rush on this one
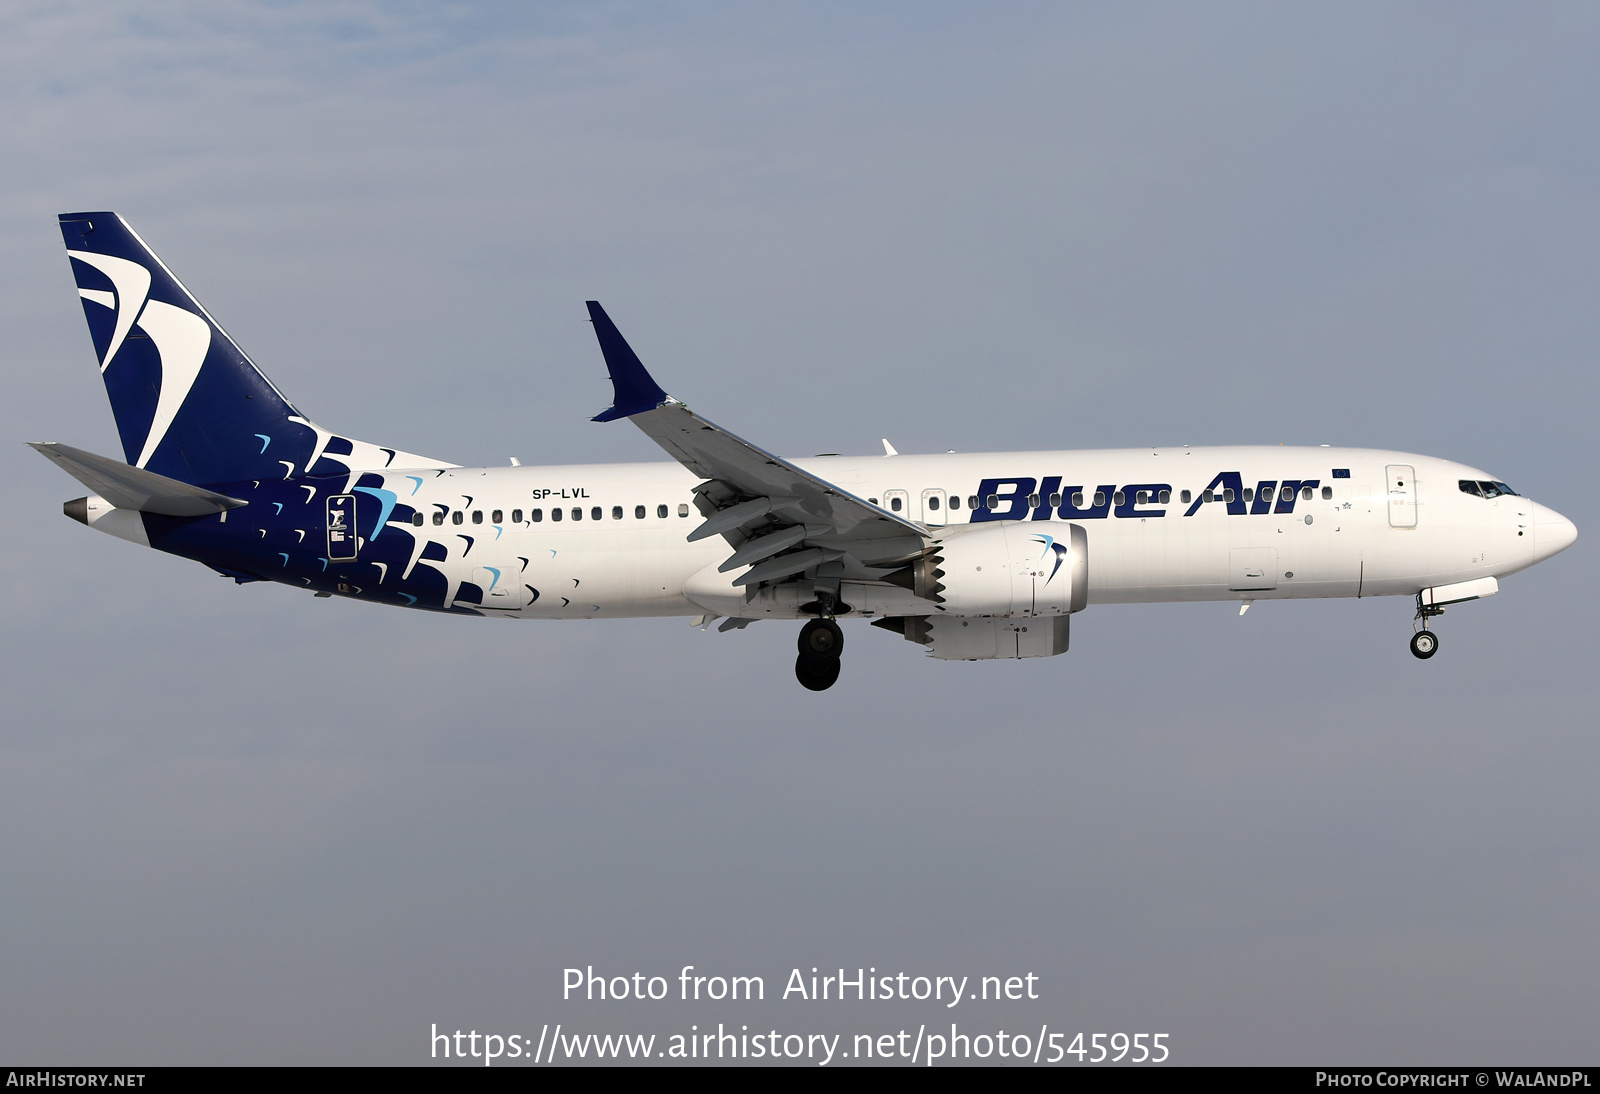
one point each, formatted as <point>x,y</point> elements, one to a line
<point>1024,498</point>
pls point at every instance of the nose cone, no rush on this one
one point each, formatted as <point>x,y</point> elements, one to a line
<point>1552,532</point>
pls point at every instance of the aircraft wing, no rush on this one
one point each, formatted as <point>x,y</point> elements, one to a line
<point>753,498</point>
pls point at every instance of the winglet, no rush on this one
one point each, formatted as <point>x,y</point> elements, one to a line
<point>633,389</point>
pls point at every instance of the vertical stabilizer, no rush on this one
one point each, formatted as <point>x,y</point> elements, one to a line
<point>189,403</point>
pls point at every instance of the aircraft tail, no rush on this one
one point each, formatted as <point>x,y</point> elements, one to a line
<point>189,403</point>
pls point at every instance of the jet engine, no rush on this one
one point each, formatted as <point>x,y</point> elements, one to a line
<point>987,582</point>
<point>1003,570</point>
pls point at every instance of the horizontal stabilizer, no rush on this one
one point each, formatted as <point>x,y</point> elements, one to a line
<point>129,487</point>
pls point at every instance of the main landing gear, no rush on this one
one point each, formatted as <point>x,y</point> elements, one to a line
<point>817,667</point>
<point>1424,643</point>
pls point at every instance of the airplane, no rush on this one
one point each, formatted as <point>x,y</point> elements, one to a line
<point>973,556</point>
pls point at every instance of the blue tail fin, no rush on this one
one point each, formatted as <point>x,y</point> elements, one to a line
<point>189,403</point>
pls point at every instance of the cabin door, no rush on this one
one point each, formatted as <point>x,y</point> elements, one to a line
<point>1402,496</point>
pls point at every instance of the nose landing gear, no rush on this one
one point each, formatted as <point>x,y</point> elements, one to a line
<point>817,667</point>
<point>1424,643</point>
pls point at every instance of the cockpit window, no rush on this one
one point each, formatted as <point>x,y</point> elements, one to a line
<point>1487,489</point>
<point>1502,487</point>
<point>1470,487</point>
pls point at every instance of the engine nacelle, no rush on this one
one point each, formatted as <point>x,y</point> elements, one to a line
<point>1007,570</point>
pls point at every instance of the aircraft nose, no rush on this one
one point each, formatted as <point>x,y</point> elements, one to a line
<point>1552,532</point>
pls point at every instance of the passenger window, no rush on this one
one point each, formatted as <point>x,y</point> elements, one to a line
<point>535,515</point>
<point>516,516</point>
<point>1164,497</point>
<point>1033,501</point>
<point>1099,498</point>
<point>438,516</point>
<point>894,503</point>
<point>416,518</point>
<point>577,514</point>
<point>1227,494</point>
<point>1209,496</point>
<point>994,501</point>
<point>497,517</point>
<point>557,514</point>
<point>1249,494</point>
<point>1305,493</point>
<point>596,513</point>
<point>1119,498</point>
<point>477,516</point>
<point>638,512</point>
<point>955,501</point>
<point>972,501</point>
<point>661,510</point>
<point>1286,494</point>
<point>1141,498</point>
<point>616,512</point>
<point>683,510</point>
<point>1327,493</point>
<point>1055,501</point>
<point>872,501</point>
<point>457,517</point>
<point>1184,497</point>
<point>1077,499</point>
<point>933,501</point>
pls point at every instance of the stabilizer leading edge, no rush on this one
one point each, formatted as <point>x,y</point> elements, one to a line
<point>133,487</point>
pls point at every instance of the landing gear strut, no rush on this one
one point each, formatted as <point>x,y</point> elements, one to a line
<point>817,667</point>
<point>1424,643</point>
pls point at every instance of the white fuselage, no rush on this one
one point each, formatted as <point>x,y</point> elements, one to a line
<point>1360,535</point>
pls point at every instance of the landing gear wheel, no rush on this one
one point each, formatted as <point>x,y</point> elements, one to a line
<point>1424,644</point>
<point>822,638</point>
<point>816,673</point>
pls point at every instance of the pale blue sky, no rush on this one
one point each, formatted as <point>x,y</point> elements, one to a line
<point>246,826</point>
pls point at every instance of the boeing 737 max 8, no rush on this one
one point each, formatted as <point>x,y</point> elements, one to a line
<point>972,556</point>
